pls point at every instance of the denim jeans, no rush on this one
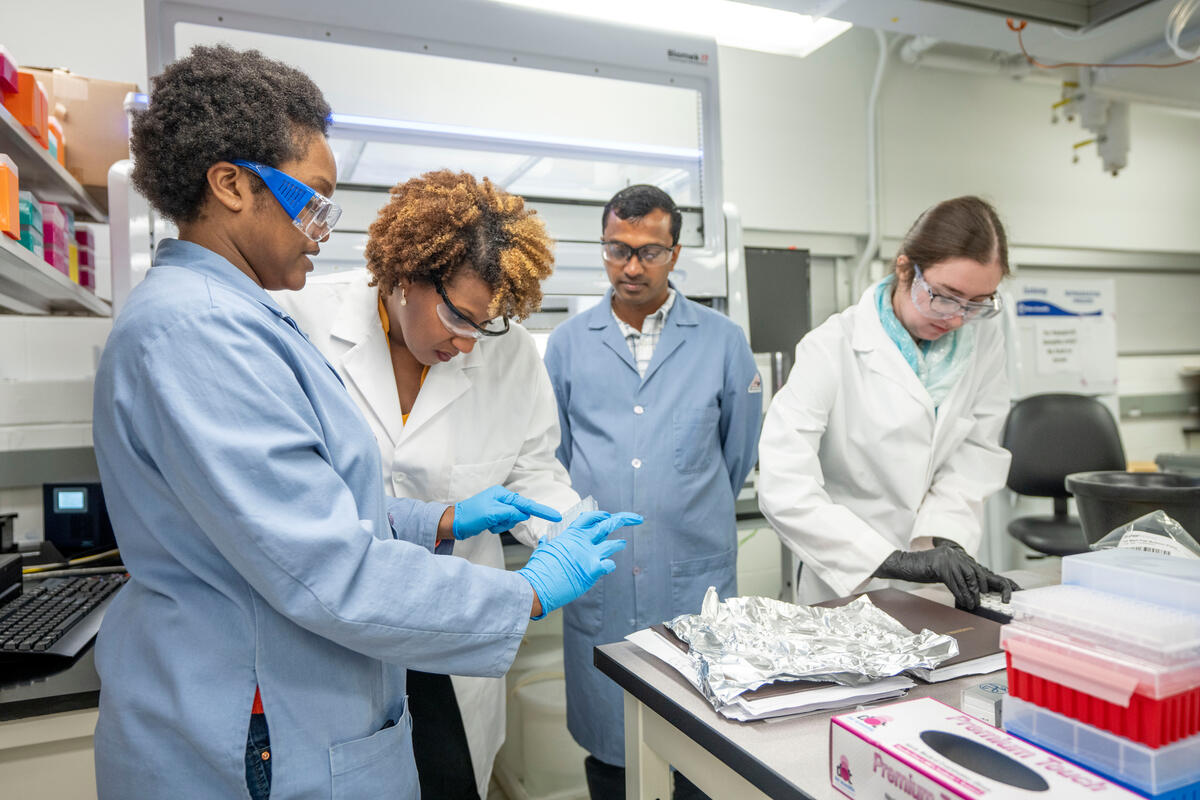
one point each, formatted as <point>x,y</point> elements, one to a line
<point>258,758</point>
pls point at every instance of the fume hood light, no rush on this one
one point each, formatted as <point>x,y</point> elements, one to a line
<point>351,122</point>
<point>733,24</point>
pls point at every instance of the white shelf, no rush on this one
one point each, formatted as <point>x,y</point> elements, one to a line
<point>28,285</point>
<point>41,173</point>
<point>36,438</point>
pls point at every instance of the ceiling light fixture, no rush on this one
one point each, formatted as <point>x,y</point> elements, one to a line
<point>732,24</point>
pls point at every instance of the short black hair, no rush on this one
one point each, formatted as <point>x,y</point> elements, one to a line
<point>635,202</point>
<point>219,104</point>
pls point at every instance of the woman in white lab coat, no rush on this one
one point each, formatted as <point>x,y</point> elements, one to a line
<point>458,399</point>
<point>878,453</point>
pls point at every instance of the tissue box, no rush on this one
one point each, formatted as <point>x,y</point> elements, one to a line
<point>927,750</point>
<point>10,198</point>
<point>30,106</point>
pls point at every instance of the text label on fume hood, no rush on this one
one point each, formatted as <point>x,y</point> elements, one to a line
<point>700,59</point>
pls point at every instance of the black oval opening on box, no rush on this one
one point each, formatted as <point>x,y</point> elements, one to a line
<point>985,761</point>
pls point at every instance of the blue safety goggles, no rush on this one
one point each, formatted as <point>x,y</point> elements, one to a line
<point>311,212</point>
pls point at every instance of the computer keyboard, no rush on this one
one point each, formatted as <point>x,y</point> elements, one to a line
<point>56,616</point>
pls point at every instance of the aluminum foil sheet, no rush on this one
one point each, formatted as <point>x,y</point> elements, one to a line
<point>745,642</point>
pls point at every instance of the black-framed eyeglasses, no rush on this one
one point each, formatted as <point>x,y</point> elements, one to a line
<point>653,255</point>
<point>460,324</point>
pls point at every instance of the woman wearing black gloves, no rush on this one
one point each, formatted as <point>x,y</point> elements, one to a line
<point>878,454</point>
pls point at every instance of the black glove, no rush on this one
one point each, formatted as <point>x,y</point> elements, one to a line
<point>948,563</point>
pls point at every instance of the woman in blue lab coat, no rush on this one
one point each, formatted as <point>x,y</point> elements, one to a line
<point>270,579</point>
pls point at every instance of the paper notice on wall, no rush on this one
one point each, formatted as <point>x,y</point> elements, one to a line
<point>1058,346</point>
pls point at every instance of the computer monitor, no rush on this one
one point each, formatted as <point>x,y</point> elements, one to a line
<point>76,520</point>
<point>780,300</point>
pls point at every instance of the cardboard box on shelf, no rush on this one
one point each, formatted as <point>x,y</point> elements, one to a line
<point>92,112</point>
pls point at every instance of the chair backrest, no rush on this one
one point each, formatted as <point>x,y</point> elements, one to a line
<point>1052,435</point>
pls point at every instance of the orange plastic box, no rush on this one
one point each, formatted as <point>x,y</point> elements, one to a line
<point>30,107</point>
<point>10,199</point>
<point>58,142</point>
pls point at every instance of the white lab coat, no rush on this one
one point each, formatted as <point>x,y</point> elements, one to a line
<point>855,463</point>
<point>484,418</point>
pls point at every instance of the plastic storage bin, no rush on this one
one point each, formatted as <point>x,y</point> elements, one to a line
<point>10,198</point>
<point>58,142</point>
<point>1165,580</point>
<point>8,72</point>
<point>1109,499</point>
<point>31,224</point>
<point>1145,769</point>
<point>1092,618</point>
<point>1125,694</point>
<point>30,107</point>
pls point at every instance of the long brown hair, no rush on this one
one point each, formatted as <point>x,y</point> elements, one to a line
<point>965,227</point>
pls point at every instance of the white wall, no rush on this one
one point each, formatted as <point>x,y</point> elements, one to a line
<point>794,141</point>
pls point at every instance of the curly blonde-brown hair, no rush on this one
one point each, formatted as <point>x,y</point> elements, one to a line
<point>444,221</point>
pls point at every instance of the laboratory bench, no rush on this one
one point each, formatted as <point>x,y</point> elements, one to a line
<point>669,724</point>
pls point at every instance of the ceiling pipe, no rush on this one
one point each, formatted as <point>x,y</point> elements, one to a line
<point>859,280</point>
<point>915,51</point>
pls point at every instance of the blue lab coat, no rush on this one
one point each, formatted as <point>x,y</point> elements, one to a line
<point>244,488</point>
<point>675,447</point>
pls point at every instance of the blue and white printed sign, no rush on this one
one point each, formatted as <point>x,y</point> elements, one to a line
<point>1067,332</point>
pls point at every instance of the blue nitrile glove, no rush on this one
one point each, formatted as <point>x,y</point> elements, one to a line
<point>496,509</point>
<point>565,567</point>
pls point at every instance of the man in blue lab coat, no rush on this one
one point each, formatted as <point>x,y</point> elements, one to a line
<point>660,404</point>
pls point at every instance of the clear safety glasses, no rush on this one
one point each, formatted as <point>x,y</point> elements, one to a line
<point>941,306</point>
<point>460,324</point>
<point>651,255</point>
<point>313,213</point>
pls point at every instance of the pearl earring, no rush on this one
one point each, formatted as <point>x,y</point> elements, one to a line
<point>403,298</point>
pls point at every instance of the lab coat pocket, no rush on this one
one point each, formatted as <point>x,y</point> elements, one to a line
<point>690,580</point>
<point>379,764</point>
<point>695,432</point>
<point>469,479</point>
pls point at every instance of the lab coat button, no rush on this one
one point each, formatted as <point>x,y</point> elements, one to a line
<point>639,410</point>
<point>637,463</point>
<point>637,570</point>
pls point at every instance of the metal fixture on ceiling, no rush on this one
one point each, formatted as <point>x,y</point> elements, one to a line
<point>1080,15</point>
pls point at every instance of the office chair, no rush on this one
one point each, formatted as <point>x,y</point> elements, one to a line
<point>1051,436</point>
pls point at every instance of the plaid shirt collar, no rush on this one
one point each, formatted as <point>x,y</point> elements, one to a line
<point>642,343</point>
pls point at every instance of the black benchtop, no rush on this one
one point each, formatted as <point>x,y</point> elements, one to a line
<point>48,685</point>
